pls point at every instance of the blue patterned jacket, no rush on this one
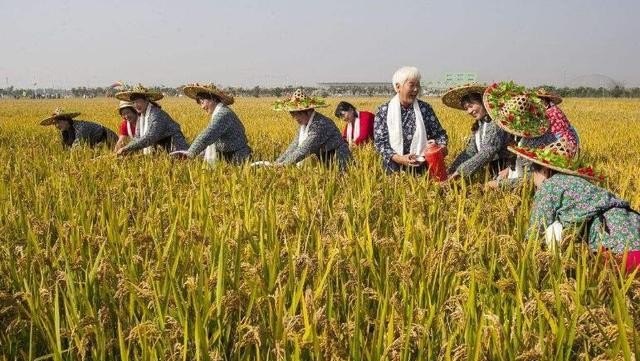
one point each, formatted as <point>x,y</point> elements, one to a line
<point>381,131</point>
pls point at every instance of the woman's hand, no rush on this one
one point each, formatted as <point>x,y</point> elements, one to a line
<point>492,184</point>
<point>122,152</point>
<point>503,174</point>
<point>407,160</point>
<point>179,155</point>
<point>453,176</point>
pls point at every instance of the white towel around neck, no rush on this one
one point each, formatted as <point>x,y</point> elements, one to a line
<point>394,124</point>
<point>210,153</point>
<point>130,132</point>
<point>304,134</point>
<point>479,138</point>
<point>519,171</point>
<point>142,127</point>
<point>304,130</point>
<point>353,130</point>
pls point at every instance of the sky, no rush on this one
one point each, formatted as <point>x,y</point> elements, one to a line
<point>70,43</point>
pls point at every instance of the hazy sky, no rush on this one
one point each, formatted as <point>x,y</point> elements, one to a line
<point>278,42</point>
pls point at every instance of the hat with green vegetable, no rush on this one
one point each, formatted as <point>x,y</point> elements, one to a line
<point>515,109</point>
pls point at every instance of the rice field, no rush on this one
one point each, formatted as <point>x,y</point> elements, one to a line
<point>147,258</point>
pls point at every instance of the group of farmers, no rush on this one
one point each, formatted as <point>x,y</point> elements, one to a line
<point>515,134</point>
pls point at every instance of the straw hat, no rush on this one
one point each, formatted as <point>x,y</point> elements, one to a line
<point>551,96</point>
<point>125,104</point>
<point>192,90</point>
<point>555,156</point>
<point>453,97</point>
<point>59,113</point>
<point>515,109</point>
<point>299,101</point>
<point>138,90</point>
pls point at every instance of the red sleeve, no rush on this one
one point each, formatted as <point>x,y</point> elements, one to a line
<point>366,127</point>
<point>122,129</point>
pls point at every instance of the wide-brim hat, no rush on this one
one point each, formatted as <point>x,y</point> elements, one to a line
<point>515,109</point>
<point>453,97</point>
<point>192,90</point>
<point>125,104</point>
<point>298,102</point>
<point>58,113</point>
<point>553,97</point>
<point>139,90</point>
<point>549,158</point>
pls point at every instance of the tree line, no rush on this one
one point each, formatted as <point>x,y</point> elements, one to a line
<point>258,92</point>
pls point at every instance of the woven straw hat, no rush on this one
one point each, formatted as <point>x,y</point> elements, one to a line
<point>139,90</point>
<point>556,156</point>
<point>551,96</point>
<point>453,97</point>
<point>515,109</point>
<point>125,104</point>
<point>58,113</point>
<point>299,101</point>
<point>192,90</point>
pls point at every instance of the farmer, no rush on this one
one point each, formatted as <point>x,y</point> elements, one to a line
<point>156,127</point>
<point>358,129</point>
<point>225,136</point>
<point>566,199</point>
<point>487,145</point>
<point>78,132</point>
<point>317,134</point>
<point>127,128</point>
<point>534,131</point>
<point>404,125</point>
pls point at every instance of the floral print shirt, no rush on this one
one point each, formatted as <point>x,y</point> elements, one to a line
<point>561,127</point>
<point>381,131</point>
<point>573,201</point>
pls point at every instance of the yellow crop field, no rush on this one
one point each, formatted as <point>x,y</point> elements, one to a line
<point>150,258</point>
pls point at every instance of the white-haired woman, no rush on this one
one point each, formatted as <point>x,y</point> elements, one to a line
<point>404,125</point>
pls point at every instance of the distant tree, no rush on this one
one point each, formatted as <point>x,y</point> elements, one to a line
<point>617,91</point>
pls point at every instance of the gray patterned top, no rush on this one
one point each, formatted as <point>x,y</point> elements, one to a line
<point>88,133</point>
<point>163,131</point>
<point>493,145</point>
<point>323,137</point>
<point>226,131</point>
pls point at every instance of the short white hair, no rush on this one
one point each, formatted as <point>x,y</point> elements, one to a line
<point>404,74</point>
